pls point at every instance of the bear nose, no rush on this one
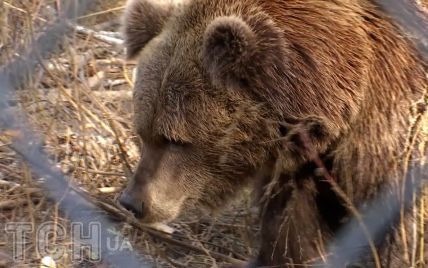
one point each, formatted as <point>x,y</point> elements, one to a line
<point>132,204</point>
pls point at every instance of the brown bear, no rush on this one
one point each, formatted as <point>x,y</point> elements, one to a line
<point>313,102</point>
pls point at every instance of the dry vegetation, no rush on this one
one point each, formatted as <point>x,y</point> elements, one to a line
<point>80,101</point>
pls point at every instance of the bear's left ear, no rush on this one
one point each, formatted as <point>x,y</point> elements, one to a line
<point>234,50</point>
<point>142,21</point>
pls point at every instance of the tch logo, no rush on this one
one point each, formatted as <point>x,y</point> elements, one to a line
<point>52,239</point>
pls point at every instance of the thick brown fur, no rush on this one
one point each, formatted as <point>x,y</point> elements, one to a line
<point>233,92</point>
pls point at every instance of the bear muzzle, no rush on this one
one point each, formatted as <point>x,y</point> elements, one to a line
<point>132,204</point>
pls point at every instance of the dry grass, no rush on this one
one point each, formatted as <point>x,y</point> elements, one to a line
<point>80,102</point>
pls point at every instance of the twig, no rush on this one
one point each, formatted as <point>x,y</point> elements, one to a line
<point>104,38</point>
<point>101,12</point>
<point>109,190</point>
<point>98,172</point>
<point>12,204</point>
<point>9,183</point>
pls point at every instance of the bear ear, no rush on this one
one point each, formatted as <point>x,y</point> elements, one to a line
<point>229,44</point>
<point>142,21</point>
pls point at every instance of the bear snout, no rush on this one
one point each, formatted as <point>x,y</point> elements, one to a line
<point>132,204</point>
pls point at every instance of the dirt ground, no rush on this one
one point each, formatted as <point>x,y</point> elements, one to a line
<point>79,101</point>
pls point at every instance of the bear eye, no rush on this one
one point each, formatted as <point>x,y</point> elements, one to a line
<point>173,142</point>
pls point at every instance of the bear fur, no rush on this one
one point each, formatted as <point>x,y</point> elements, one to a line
<point>304,99</point>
